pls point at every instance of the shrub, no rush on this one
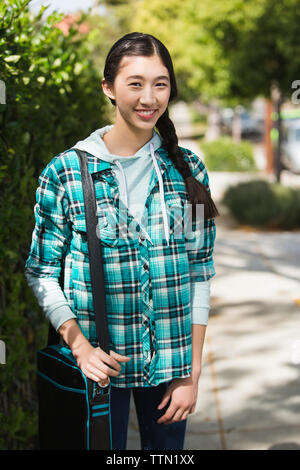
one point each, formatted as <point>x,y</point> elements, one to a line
<point>263,204</point>
<point>226,155</point>
<point>52,100</point>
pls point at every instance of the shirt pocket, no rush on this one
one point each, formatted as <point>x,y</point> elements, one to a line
<point>106,232</point>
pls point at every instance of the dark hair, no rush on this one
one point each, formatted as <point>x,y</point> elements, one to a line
<point>140,44</point>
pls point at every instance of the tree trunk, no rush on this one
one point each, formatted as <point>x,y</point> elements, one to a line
<point>236,126</point>
<point>277,102</point>
<point>267,138</point>
<point>213,130</point>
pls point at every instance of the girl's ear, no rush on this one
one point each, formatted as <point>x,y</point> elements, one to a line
<point>107,89</point>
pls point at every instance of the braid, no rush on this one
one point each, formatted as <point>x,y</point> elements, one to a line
<point>198,194</point>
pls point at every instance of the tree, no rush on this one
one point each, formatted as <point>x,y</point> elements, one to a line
<point>230,50</point>
<point>52,101</point>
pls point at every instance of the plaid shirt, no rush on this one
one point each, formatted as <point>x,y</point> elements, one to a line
<point>147,280</point>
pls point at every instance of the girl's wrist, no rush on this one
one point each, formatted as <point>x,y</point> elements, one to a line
<point>196,372</point>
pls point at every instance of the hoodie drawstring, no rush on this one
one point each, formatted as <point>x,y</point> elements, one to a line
<point>161,190</point>
<point>161,193</point>
<point>124,181</point>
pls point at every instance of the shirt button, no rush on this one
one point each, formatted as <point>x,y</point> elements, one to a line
<point>142,238</point>
<point>146,267</point>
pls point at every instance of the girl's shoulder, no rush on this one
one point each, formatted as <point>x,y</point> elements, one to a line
<point>62,162</point>
<point>196,163</point>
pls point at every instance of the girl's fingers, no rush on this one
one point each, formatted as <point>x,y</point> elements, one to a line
<point>178,416</point>
<point>112,358</point>
<point>185,414</point>
<point>107,360</point>
<point>103,367</point>
<point>172,409</point>
<point>96,373</point>
<point>119,357</point>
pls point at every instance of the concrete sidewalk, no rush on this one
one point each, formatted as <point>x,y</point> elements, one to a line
<point>249,391</point>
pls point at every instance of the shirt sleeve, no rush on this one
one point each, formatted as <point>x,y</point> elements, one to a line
<point>52,232</point>
<point>51,298</point>
<point>200,302</point>
<point>50,239</point>
<point>201,233</point>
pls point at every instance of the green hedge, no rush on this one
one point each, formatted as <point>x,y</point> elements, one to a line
<point>265,205</point>
<point>226,155</point>
<point>53,99</point>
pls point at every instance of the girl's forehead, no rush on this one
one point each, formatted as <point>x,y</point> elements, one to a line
<point>133,65</point>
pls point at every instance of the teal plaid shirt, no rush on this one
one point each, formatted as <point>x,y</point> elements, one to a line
<point>147,280</point>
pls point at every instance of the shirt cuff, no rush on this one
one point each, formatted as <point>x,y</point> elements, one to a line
<point>60,315</point>
<point>200,302</point>
<point>51,298</point>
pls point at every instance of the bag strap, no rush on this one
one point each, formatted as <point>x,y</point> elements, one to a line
<point>95,253</point>
<point>95,259</point>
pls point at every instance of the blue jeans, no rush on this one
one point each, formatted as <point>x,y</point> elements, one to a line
<point>153,436</point>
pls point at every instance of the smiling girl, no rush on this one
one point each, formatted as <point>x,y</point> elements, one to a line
<point>157,282</point>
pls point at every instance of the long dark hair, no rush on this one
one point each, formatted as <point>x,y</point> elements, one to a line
<point>140,44</point>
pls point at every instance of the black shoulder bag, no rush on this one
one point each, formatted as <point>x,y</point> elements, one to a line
<point>74,411</point>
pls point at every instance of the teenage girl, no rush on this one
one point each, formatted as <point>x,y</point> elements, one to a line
<point>157,276</point>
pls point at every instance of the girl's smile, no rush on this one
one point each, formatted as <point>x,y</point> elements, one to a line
<point>146,114</point>
<point>141,91</point>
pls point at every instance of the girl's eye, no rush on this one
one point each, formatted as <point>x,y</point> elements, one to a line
<point>160,84</point>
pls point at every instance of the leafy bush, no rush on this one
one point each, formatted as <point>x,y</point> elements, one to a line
<point>226,155</point>
<point>52,100</point>
<point>263,204</point>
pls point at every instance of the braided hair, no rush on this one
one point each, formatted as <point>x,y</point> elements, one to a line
<point>140,44</point>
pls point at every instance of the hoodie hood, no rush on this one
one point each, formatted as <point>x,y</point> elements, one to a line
<point>94,144</point>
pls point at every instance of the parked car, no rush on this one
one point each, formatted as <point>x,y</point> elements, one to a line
<point>290,147</point>
<point>250,126</point>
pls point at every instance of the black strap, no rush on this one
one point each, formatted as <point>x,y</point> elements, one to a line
<point>95,253</point>
<point>95,258</point>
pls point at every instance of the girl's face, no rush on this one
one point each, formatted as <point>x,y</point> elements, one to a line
<point>141,90</point>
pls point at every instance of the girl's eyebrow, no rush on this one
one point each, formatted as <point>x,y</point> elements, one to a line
<point>140,77</point>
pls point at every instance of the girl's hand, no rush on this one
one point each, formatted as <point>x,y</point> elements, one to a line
<point>98,365</point>
<point>183,394</point>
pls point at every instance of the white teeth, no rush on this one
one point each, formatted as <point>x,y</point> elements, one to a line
<point>145,112</point>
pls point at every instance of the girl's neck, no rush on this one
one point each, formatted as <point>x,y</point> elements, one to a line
<point>123,141</point>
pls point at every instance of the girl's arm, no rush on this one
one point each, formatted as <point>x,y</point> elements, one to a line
<point>198,335</point>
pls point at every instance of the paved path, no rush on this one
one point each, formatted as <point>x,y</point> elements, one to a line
<point>249,390</point>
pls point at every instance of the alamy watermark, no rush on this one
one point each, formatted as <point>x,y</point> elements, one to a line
<point>2,352</point>
<point>182,223</point>
<point>2,92</point>
<point>295,96</point>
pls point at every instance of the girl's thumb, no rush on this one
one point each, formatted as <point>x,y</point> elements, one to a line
<point>164,401</point>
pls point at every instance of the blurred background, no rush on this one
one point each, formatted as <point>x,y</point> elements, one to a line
<point>237,66</point>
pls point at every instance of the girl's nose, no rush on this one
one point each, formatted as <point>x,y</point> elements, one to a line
<point>147,96</point>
